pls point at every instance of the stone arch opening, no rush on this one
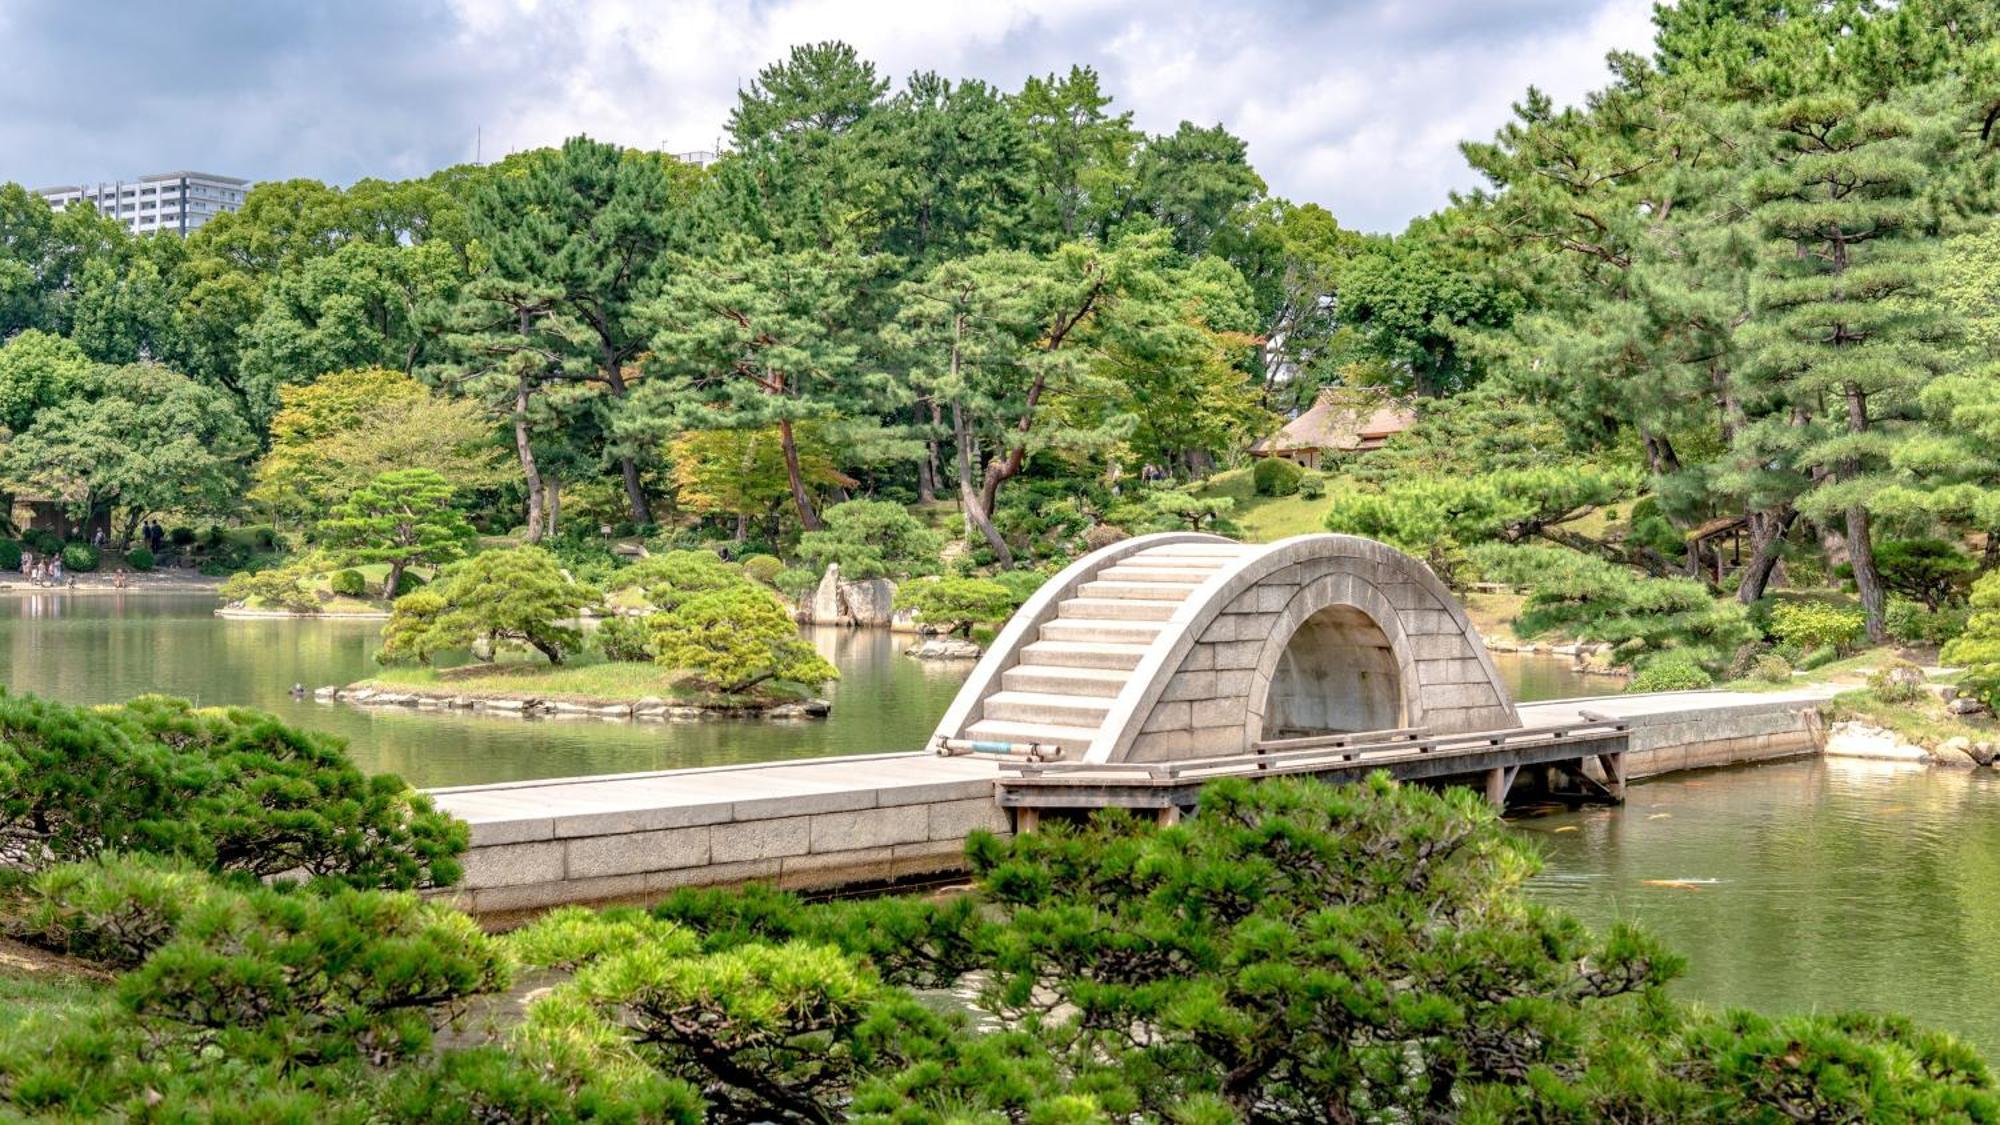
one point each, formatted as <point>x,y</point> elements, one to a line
<point>1338,674</point>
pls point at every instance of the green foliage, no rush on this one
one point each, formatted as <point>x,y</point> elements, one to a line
<point>1909,623</point>
<point>668,580</point>
<point>293,586</point>
<point>1898,682</point>
<point>411,635</point>
<point>1673,670</point>
<point>407,582</point>
<point>872,539</point>
<point>1977,650</point>
<point>763,568</point>
<point>139,558</point>
<point>1312,486</point>
<point>794,582</point>
<point>113,908</point>
<point>624,638</point>
<point>1772,669</point>
<point>734,640</point>
<point>42,541</point>
<point>573,936</point>
<point>348,584</point>
<point>81,558</point>
<point>1930,571</point>
<point>403,517</point>
<point>1434,518</point>
<point>1256,943</point>
<point>10,554</point>
<point>1275,476</point>
<point>1813,624</point>
<point>955,605</point>
<point>519,594</point>
<point>1575,595</point>
<point>487,1084</point>
<point>232,790</point>
<point>310,979</point>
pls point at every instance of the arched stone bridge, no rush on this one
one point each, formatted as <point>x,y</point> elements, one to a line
<point>1187,645</point>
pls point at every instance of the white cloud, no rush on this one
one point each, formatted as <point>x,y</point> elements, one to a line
<point>1356,105</point>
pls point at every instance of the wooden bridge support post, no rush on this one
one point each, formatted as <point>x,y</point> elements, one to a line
<point>1026,819</point>
<point>1499,782</point>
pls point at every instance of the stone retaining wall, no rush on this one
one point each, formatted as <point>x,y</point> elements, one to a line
<point>828,839</point>
<point>1707,739</point>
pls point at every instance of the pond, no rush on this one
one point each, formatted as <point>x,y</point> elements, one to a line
<point>1817,885</point>
<point>1835,884</point>
<point>105,648</point>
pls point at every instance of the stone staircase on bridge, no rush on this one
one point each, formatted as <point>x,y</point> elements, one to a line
<point>1063,684</point>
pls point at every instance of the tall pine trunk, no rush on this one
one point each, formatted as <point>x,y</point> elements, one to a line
<point>628,467</point>
<point>526,451</point>
<point>808,519</point>
<point>969,496</point>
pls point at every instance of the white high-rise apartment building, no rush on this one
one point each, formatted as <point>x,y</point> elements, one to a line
<point>173,201</point>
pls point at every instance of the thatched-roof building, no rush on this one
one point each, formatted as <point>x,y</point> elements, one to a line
<point>1341,420</point>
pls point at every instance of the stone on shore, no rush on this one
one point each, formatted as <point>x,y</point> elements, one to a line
<point>944,648</point>
<point>1861,740</point>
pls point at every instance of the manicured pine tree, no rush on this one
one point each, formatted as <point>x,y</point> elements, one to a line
<point>1838,332</point>
<point>404,518</point>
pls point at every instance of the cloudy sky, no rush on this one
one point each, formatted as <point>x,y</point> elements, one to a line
<point>1354,104</point>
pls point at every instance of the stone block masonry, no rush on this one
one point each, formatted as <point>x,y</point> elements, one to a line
<point>634,837</point>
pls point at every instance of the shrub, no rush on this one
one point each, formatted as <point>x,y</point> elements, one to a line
<point>518,594</point>
<point>42,541</point>
<point>349,584</point>
<point>139,558</point>
<point>291,586</point>
<point>181,536</point>
<point>668,580</point>
<point>10,554</point>
<point>411,635</point>
<point>1898,681</point>
<point>80,557</point>
<point>1581,596</point>
<point>1772,669</point>
<point>955,605</point>
<point>795,583</point>
<point>624,639</point>
<point>1670,671</point>
<point>408,582</point>
<point>310,979</point>
<point>232,790</point>
<point>1312,486</point>
<point>1818,658</point>
<point>1909,623</point>
<point>1977,649</point>
<point>872,539</point>
<point>488,1084</point>
<point>1275,476</point>
<point>1813,624</point>
<point>763,568</point>
<point>736,639</point>
<point>113,908</point>
<point>1931,571</point>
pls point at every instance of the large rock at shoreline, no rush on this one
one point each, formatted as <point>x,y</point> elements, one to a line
<point>1860,740</point>
<point>871,602</point>
<point>868,601</point>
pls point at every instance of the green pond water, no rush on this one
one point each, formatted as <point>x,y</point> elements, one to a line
<point>1822,885</point>
<point>105,648</point>
<point>1834,884</point>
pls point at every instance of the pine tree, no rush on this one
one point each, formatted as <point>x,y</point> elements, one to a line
<point>1839,334</point>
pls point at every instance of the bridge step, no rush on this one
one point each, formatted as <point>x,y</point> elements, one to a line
<point>1042,707</point>
<point>1112,655</point>
<point>1138,591</point>
<point>1117,609</point>
<point>1073,740</point>
<point>1215,552</point>
<point>1087,630</point>
<point>1179,575</point>
<point>1106,682</point>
